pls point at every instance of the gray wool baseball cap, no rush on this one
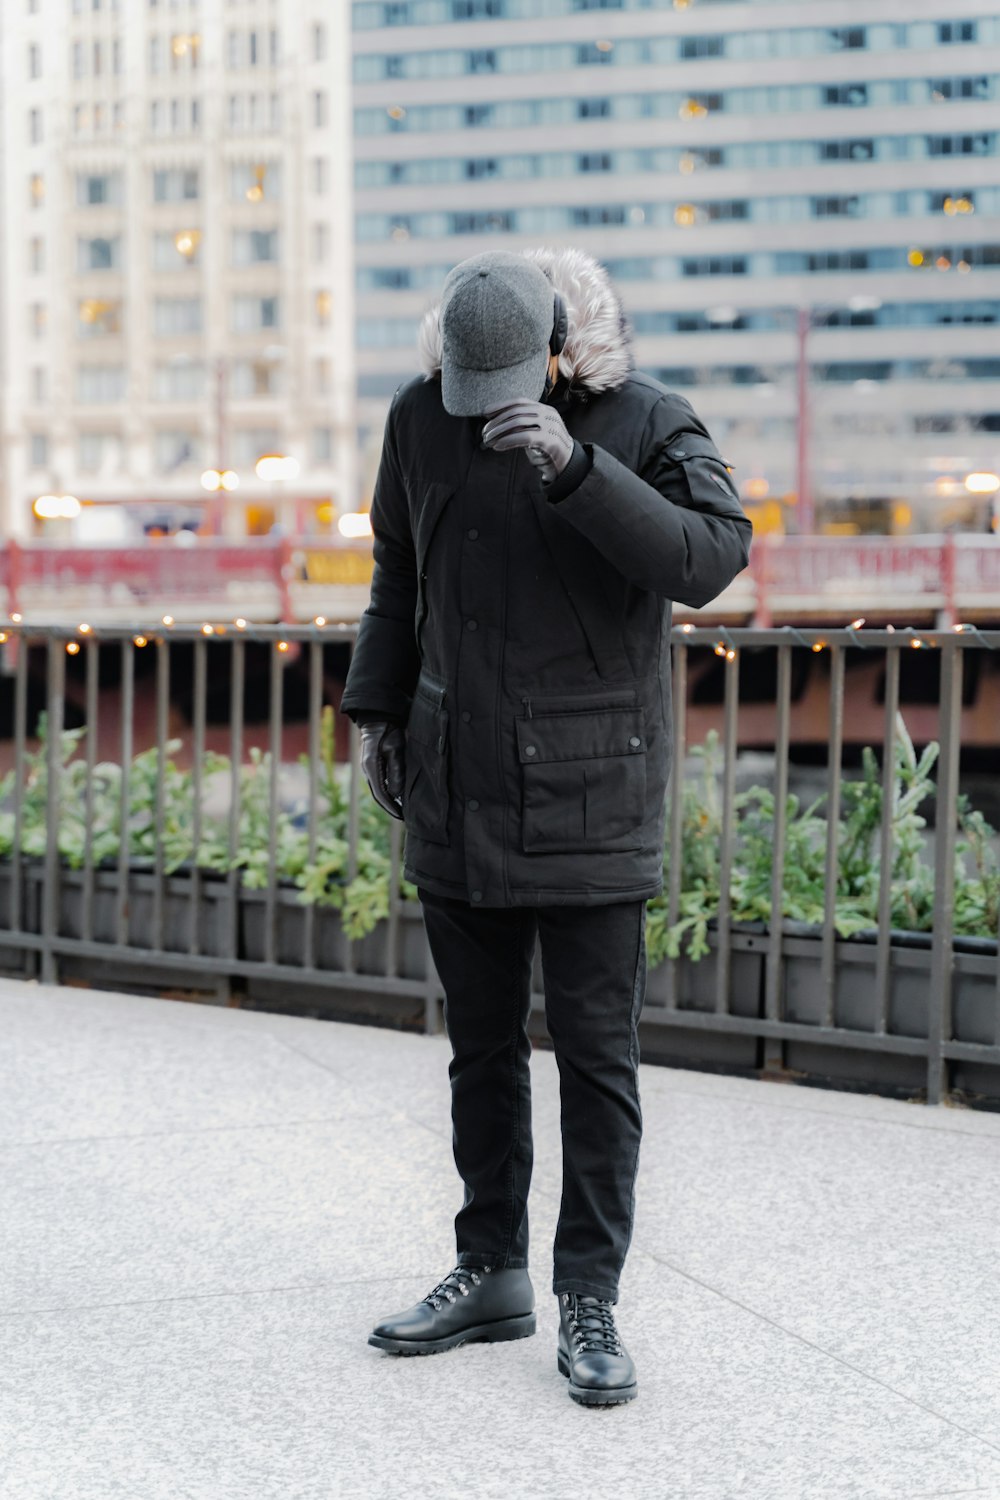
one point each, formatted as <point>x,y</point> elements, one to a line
<point>496,317</point>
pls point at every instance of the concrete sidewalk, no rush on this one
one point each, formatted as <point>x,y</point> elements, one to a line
<point>204,1210</point>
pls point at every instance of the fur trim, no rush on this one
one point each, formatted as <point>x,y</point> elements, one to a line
<point>597,355</point>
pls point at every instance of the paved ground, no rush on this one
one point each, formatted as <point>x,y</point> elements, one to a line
<point>204,1210</point>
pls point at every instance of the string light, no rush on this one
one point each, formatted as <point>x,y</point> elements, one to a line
<point>139,640</point>
<point>240,624</point>
<point>167,620</point>
<point>17,618</point>
<point>207,630</point>
<point>857,624</point>
<point>86,629</point>
<point>72,647</point>
<point>282,645</point>
<point>687,629</point>
<point>720,649</point>
<point>320,620</point>
<point>730,654</point>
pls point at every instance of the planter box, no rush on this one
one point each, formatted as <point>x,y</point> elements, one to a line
<point>331,945</point>
<point>15,960</point>
<point>211,910</point>
<point>974,1008</point>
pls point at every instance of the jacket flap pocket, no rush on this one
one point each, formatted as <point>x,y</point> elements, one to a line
<point>428,722</point>
<point>581,736</point>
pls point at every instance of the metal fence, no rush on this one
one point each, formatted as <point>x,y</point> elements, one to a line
<point>777,997</point>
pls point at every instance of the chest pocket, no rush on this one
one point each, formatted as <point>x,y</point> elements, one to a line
<point>428,756</point>
<point>430,506</point>
<point>583,780</point>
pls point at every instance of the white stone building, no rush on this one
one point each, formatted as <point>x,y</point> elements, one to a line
<point>177,291</point>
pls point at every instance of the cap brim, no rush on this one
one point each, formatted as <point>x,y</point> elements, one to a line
<point>470,393</point>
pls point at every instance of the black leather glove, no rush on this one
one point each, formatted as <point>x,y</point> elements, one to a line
<point>383,761</point>
<point>537,428</point>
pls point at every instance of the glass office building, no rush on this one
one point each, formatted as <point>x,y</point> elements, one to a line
<point>778,187</point>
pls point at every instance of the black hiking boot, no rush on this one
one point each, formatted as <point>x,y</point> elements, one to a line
<point>591,1353</point>
<point>473,1304</point>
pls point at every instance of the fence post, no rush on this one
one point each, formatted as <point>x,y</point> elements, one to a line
<point>939,1028</point>
<point>55,704</point>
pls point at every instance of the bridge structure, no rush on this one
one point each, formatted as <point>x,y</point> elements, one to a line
<point>935,579</point>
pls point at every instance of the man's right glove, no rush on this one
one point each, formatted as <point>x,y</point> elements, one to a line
<point>383,761</point>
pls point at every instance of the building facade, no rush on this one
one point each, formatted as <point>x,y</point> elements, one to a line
<point>799,201</point>
<point>177,291</point>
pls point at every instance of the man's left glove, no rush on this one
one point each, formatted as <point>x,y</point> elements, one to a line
<point>383,762</point>
<point>537,428</point>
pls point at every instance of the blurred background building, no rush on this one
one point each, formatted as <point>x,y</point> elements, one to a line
<point>225,218</point>
<point>800,203</point>
<point>177,289</point>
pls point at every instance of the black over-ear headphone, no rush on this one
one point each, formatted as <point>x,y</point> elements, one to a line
<point>560,325</point>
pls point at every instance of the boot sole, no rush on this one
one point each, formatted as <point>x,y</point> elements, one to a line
<point>589,1395</point>
<point>503,1332</point>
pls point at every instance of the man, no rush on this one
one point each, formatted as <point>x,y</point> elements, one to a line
<point>538,505</point>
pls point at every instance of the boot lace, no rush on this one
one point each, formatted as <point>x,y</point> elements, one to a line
<point>592,1325</point>
<point>456,1280</point>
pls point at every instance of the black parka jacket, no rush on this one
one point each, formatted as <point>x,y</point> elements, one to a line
<point>521,630</point>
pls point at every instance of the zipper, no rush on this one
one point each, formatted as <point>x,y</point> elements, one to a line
<point>527,704</point>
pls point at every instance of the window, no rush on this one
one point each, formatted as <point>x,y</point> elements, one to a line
<point>960,88</point>
<point>255,247</point>
<point>172,252</point>
<point>721,265</point>
<point>180,380</point>
<point>34,127</point>
<point>322,308</point>
<point>99,384</point>
<point>98,317</point>
<point>99,452</point>
<point>322,376</point>
<point>593,109</point>
<point>175,450</point>
<point>38,452</point>
<point>98,188</point>
<point>839,207</point>
<point>256,377</point>
<point>252,314</point>
<point>36,190</point>
<point>99,253</point>
<point>256,182</point>
<point>36,254</point>
<point>959,145</point>
<point>320,237</point>
<point>319,42</point>
<point>950,32</point>
<point>320,109</point>
<point>702,46</point>
<point>850,94</point>
<point>594,161</point>
<point>319,176</point>
<point>175,185</point>
<point>863,150</point>
<point>847,38</point>
<point>34,60</point>
<point>37,319</point>
<point>248,443</point>
<point>175,316</point>
<point>322,445</point>
<point>39,384</point>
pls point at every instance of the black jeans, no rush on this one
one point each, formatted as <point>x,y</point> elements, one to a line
<point>594,974</point>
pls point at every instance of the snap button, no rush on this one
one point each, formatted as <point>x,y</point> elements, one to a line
<point>635,740</point>
<point>677,452</point>
<point>471,625</point>
<point>529,750</point>
<point>473,804</point>
<point>466,716</point>
<point>477,895</point>
<point>473,532</point>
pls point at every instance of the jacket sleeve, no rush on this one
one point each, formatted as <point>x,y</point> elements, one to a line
<point>676,525</point>
<point>385,663</point>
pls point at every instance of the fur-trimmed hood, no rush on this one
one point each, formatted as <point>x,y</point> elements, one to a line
<point>597,355</point>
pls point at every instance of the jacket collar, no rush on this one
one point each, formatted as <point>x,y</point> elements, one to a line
<point>597,355</point>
